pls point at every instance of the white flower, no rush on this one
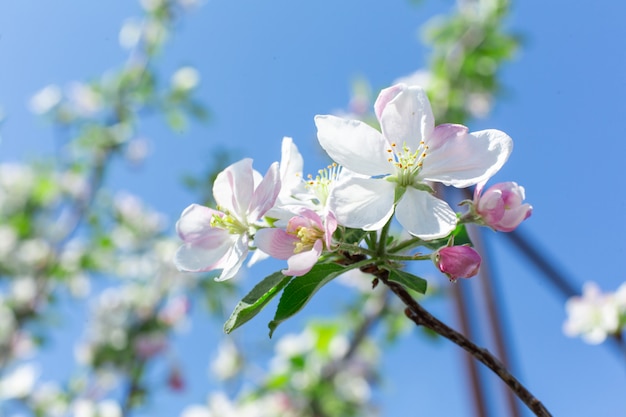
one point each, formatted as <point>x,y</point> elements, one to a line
<point>151,5</point>
<point>196,411</point>
<point>399,162</point>
<point>185,79</point>
<point>227,362</point>
<point>19,383</point>
<point>45,99</point>
<point>591,316</point>
<point>130,33</point>
<point>85,100</point>
<point>218,239</point>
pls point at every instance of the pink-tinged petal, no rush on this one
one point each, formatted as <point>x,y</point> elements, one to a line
<point>385,96</point>
<point>301,263</point>
<point>491,207</point>
<point>204,255</point>
<point>501,206</point>
<point>296,222</point>
<point>443,133</point>
<point>234,186</point>
<point>478,190</point>
<point>458,261</point>
<point>195,223</point>
<point>513,217</point>
<point>265,194</point>
<point>424,215</point>
<point>466,160</point>
<point>276,242</point>
<point>408,117</point>
<point>233,260</point>
<point>330,225</point>
<point>354,145</point>
<point>363,203</point>
<point>304,217</point>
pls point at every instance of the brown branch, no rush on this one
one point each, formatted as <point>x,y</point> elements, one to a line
<point>416,313</point>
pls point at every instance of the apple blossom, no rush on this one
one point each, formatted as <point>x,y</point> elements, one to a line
<point>296,192</point>
<point>218,239</point>
<point>500,207</point>
<point>301,243</point>
<point>395,166</point>
<point>457,261</point>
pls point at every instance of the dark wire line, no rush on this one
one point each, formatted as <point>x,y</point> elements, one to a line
<point>495,314</point>
<point>476,385</point>
<point>537,256</point>
<point>559,280</point>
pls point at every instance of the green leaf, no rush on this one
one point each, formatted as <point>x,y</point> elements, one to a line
<point>176,120</point>
<point>410,281</point>
<point>255,300</point>
<point>461,237</point>
<point>301,289</point>
<point>353,236</point>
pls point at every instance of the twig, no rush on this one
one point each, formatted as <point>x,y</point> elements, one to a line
<point>416,313</point>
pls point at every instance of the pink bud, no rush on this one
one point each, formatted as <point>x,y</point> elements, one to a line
<point>500,207</point>
<point>175,379</point>
<point>457,261</point>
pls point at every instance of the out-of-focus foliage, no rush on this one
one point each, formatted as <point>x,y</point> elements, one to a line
<point>468,48</point>
<point>66,238</point>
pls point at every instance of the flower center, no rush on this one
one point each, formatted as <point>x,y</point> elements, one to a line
<point>407,163</point>
<point>229,223</point>
<point>307,237</point>
<point>320,185</point>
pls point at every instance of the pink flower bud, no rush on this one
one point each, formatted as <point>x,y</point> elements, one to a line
<point>175,379</point>
<point>500,207</point>
<point>457,261</point>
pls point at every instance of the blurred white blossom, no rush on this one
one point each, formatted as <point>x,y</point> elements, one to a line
<point>227,363</point>
<point>19,382</point>
<point>84,99</point>
<point>185,79</point>
<point>130,33</point>
<point>151,5</point>
<point>45,99</point>
<point>594,315</point>
<point>421,78</point>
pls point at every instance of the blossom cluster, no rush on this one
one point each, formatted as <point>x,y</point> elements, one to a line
<point>376,176</point>
<point>309,373</point>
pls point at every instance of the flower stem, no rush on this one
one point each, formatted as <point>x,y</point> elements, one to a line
<point>382,242</point>
<point>416,241</point>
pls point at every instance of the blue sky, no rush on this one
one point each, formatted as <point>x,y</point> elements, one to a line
<point>269,67</point>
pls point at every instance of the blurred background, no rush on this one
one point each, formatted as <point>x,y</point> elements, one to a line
<point>116,115</point>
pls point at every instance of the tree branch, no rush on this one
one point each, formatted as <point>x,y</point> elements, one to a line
<point>416,313</point>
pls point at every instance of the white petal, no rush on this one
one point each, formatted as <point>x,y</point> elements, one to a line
<point>408,118</point>
<point>195,223</point>
<point>353,144</point>
<point>363,203</point>
<point>233,187</point>
<point>265,194</point>
<point>424,215</point>
<point>203,255</point>
<point>291,165</point>
<point>234,259</point>
<point>464,160</point>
